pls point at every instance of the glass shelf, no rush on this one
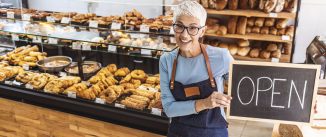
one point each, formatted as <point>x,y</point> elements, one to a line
<point>117,38</point>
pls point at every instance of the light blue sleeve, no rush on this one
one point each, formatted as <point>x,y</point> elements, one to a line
<point>171,107</point>
<point>227,60</point>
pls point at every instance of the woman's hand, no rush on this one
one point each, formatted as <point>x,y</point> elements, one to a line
<point>216,99</point>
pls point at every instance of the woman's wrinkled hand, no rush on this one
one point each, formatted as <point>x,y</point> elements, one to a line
<point>216,99</point>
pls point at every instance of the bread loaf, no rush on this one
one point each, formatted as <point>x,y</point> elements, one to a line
<point>220,4</point>
<point>248,30</point>
<point>290,31</point>
<point>291,5</point>
<point>287,48</point>
<point>233,4</point>
<point>224,45</point>
<point>271,47</point>
<point>269,22</point>
<point>244,4</point>
<point>212,4</point>
<point>253,4</point>
<point>241,27</point>
<point>233,48</point>
<point>222,30</point>
<point>243,51</point>
<point>281,23</point>
<point>259,22</point>
<point>279,6</point>
<point>265,54</point>
<point>251,22</point>
<point>276,54</point>
<point>264,30</point>
<point>243,43</point>
<point>254,53</point>
<point>255,30</point>
<point>232,25</point>
<point>270,5</point>
<point>272,31</point>
<point>204,3</point>
<point>281,32</point>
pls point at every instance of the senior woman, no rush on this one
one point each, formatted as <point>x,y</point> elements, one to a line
<point>192,78</point>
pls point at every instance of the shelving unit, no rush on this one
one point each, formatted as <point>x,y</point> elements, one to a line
<point>284,58</point>
<point>259,37</point>
<point>251,13</point>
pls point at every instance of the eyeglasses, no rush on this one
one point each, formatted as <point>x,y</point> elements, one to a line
<point>192,30</point>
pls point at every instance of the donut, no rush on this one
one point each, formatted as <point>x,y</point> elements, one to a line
<point>122,72</point>
<point>151,80</point>
<point>2,76</point>
<point>126,79</point>
<point>112,68</point>
<point>138,74</point>
<point>136,83</point>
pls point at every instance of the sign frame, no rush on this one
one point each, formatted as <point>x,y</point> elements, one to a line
<point>273,64</point>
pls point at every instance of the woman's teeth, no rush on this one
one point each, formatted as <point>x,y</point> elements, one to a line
<point>185,41</point>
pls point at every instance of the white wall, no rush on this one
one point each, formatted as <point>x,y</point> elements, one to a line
<point>312,22</point>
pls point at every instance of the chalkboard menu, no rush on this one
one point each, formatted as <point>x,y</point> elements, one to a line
<point>276,92</point>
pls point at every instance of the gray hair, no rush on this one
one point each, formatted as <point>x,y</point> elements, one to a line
<point>190,8</point>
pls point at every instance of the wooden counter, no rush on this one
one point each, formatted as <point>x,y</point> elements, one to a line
<point>20,119</point>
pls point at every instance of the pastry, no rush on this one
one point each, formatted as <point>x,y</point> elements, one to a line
<point>212,21</point>
<point>224,45</point>
<point>241,27</point>
<point>76,88</point>
<point>232,25</point>
<point>276,54</point>
<point>233,48</point>
<point>122,72</point>
<point>253,4</point>
<point>255,30</point>
<point>25,76</point>
<point>156,102</point>
<point>264,30</point>
<point>212,4</point>
<point>128,86</point>
<point>281,23</point>
<point>265,54</point>
<point>269,22</point>
<point>251,22</point>
<point>220,4</point>
<point>222,30</point>
<point>126,79</point>
<point>271,47</point>
<point>112,68</point>
<point>254,53</point>
<point>243,43</point>
<point>290,31</point>
<point>272,31</point>
<point>287,48</point>
<point>233,4</point>
<point>138,74</point>
<point>144,93</point>
<point>243,51</point>
<point>259,22</point>
<point>151,80</point>
<point>243,4</point>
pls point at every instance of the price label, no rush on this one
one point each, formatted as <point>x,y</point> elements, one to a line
<point>14,37</point>
<point>72,94</point>
<point>8,82</point>
<point>86,47</point>
<point>37,39</point>
<point>28,86</point>
<point>76,45</point>
<point>50,19</point>
<point>53,41</point>
<point>115,25</point>
<point>276,60</point>
<point>144,28</point>
<point>172,40</point>
<point>145,52</point>
<point>26,17</point>
<point>93,24</point>
<point>25,66</point>
<point>62,74</point>
<point>11,15</point>
<point>65,20</point>
<point>273,15</point>
<point>16,83</point>
<point>99,101</point>
<point>112,48</point>
<point>171,31</point>
<point>119,105</point>
<point>286,37</point>
<point>156,111</point>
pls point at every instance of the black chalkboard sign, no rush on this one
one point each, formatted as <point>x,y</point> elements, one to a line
<point>275,92</point>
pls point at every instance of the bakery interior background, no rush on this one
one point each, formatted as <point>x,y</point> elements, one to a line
<point>311,22</point>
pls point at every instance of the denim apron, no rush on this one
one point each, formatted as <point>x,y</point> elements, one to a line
<point>207,123</point>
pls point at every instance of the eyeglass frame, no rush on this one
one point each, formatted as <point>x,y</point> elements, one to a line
<point>186,28</point>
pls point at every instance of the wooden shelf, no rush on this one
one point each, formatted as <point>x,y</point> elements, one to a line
<point>259,37</point>
<point>283,59</point>
<point>251,13</point>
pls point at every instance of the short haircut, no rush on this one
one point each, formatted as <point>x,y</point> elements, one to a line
<point>190,8</point>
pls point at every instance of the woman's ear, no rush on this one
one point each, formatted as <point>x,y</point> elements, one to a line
<point>203,31</point>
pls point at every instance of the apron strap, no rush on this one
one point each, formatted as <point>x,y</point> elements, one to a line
<point>208,67</point>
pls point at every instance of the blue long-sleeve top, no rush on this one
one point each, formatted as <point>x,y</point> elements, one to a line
<point>191,70</point>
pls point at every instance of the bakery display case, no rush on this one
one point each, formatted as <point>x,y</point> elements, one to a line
<point>253,30</point>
